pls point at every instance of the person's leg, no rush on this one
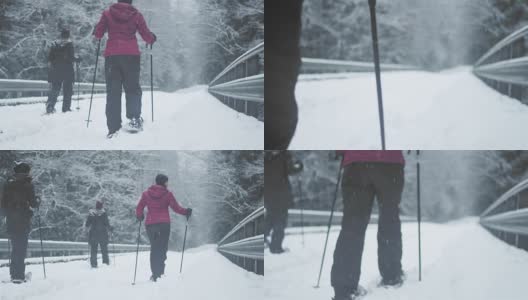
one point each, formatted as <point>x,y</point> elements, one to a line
<point>93,254</point>
<point>279,225</point>
<point>114,83</point>
<point>358,196</point>
<point>104,252</point>
<point>67,91</point>
<point>283,23</point>
<point>164,239</point>
<point>132,87</point>
<point>153,232</point>
<point>388,180</point>
<point>52,96</point>
<point>18,255</point>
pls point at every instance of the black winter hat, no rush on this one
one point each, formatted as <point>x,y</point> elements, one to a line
<point>125,1</point>
<point>22,168</point>
<point>161,179</point>
<point>65,34</point>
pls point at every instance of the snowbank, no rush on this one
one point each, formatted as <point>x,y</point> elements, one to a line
<point>460,261</point>
<point>206,275</point>
<point>449,110</point>
<point>189,119</point>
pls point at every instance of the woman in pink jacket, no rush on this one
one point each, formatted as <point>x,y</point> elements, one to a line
<point>122,62</point>
<point>368,175</point>
<point>158,199</point>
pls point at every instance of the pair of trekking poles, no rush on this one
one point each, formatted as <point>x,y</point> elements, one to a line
<point>137,248</point>
<point>419,217</point>
<point>95,75</point>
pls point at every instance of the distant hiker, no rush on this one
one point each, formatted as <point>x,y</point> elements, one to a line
<point>61,74</point>
<point>368,175</point>
<point>122,63</point>
<point>98,227</point>
<point>18,200</point>
<point>283,61</point>
<point>158,199</point>
<point>277,196</point>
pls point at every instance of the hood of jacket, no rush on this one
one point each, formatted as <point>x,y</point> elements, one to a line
<point>97,212</point>
<point>157,191</point>
<point>123,12</point>
<point>60,43</point>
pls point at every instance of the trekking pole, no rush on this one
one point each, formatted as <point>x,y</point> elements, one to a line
<point>374,29</point>
<point>137,253</point>
<point>93,83</point>
<point>339,175</point>
<point>9,250</point>
<point>41,244</point>
<point>78,86</point>
<point>419,213</point>
<point>152,82</point>
<point>184,239</point>
<point>113,247</point>
<point>302,212</point>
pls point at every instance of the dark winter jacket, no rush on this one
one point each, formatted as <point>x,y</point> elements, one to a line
<point>122,21</point>
<point>98,226</point>
<point>18,197</point>
<point>157,199</point>
<point>277,189</point>
<point>61,58</point>
<point>388,156</point>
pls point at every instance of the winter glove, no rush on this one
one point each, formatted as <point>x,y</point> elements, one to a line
<point>77,59</point>
<point>140,218</point>
<point>296,167</point>
<point>334,155</point>
<point>189,213</point>
<point>155,37</point>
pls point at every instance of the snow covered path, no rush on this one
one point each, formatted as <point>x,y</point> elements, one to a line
<point>206,275</point>
<point>461,261</point>
<point>450,110</point>
<point>188,119</point>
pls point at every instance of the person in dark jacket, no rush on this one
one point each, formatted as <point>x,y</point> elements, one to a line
<point>61,74</point>
<point>98,227</point>
<point>283,60</point>
<point>277,195</point>
<point>18,202</point>
<point>368,175</point>
<point>122,62</point>
<point>158,199</point>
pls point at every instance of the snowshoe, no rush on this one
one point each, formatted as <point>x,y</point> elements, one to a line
<point>135,125</point>
<point>112,134</point>
<point>279,251</point>
<point>153,278</point>
<point>358,294</point>
<point>393,282</point>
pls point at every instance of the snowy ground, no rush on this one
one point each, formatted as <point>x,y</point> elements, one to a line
<point>188,119</point>
<point>449,110</point>
<point>206,275</point>
<point>461,261</point>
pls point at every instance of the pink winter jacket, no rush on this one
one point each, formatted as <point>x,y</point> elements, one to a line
<point>388,156</point>
<point>157,199</point>
<point>122,21</point>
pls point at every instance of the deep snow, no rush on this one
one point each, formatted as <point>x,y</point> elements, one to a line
<point>461,261</point>
<point>189,119</point>
<point>206,275</point>
<point>448,110</point>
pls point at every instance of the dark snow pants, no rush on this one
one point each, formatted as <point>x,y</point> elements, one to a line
<point>361,183</point>
<point>93,253</point>
<point>158,235</point>
<point>283,60</point>
<point>276,221</point>
<point>122,71</point>
<point>19,244</point>
<point>53,94</point>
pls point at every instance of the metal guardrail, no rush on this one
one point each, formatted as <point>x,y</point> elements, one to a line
<point>507,217</point>
<point>15,88</point>
<point>297,217</point>
<point>317,65</point>
<point>244,244</point>
<point>505,66</point>
<point>241,84</point>
<point>61,248</point>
